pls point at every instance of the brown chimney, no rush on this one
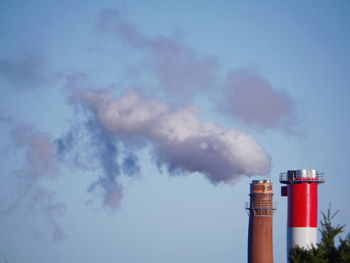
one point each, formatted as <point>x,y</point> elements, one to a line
<point>260,210</point>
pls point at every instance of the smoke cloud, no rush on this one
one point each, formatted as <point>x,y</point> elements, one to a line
<point>253,99</point>
<point>39,164</point>
<point>113,129</point>
<point>180,70</point>
<point>178,139</point>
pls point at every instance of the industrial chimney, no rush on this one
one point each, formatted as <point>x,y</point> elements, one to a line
<point>260,210</point>
<point>301,190</point>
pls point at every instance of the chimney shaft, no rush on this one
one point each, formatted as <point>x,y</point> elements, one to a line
<point>260,210</point>
<point>302,207</point>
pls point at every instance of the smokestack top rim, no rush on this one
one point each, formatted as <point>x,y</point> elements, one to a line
<point>261,181</point>
<point>302,175</point>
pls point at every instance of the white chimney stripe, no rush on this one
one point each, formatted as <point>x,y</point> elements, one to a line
<point>301,236</point>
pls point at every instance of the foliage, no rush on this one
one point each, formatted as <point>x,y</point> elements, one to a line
<point>326,251</point>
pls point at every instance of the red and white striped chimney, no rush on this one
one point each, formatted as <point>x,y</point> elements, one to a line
<point>301,190</point>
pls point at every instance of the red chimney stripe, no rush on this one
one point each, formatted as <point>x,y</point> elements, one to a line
<point>302,205</point>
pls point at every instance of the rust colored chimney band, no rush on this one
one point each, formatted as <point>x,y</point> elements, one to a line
<point>260,210</point>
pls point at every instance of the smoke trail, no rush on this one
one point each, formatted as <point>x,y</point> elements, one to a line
<point>253,99</point>
<point>39,163</point>
<point>180,141</point>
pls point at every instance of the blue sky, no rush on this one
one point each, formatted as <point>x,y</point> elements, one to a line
<point>273,75</point>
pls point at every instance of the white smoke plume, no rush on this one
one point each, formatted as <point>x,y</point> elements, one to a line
<point>179,140</point>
